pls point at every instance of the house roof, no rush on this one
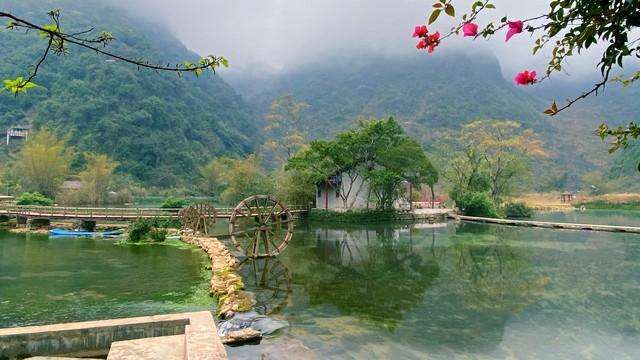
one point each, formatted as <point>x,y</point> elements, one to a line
<point>71,185</point>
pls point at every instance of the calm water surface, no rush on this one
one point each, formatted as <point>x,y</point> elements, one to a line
<point>44,281</point>
<point>598,217</point>
<point>465,291</point>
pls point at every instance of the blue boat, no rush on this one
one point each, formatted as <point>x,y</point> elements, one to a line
<point>78,233</point>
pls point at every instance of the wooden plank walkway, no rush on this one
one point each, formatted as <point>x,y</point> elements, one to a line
<point>114,214</point>
<point>550,225</point>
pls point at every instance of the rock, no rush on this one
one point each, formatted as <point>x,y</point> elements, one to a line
<point>251,319</point>
<point>242,336</point>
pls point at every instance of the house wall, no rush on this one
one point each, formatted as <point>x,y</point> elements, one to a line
<point>328,199</point>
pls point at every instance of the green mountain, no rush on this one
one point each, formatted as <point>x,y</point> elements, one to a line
<point>158,126</point>
<point>422,92</point>
<point>430,95</point>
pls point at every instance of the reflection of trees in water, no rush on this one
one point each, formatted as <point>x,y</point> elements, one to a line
<point>269,280</point>
<point>367,273</point>
<point>460,288</point>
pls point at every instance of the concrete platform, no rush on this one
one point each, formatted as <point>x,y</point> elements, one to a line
<point>159,348</point>
<point>84,339</point>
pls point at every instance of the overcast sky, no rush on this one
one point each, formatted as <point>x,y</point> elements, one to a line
<point>282,34</point>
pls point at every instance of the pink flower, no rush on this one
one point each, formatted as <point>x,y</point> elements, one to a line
<point>470,29</point>
<point>422,44</point>
<point>525,78</point>
<point>420,31</point>
<point>433,40</point>
<point>515,27</point>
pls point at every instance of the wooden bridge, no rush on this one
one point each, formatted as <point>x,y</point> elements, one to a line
<point>108,214</point>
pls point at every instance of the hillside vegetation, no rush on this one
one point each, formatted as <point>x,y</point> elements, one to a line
<point>159,127</point>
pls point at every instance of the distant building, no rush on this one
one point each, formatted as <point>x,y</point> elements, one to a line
<point>72,185</point>
<point>18,132</point>
<point>566,197</point>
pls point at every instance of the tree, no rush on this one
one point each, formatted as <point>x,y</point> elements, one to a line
<point>97,177</point>
<point>377,152</point>
<point>58,43</point>
<point>43,162</point>
<point>568,28</point>
<point>213,175</point>
<point>489,158</point>
<point>283,126</point>
<point>504,148</point>
<point>237,179</point>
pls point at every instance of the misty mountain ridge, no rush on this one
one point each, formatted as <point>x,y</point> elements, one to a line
<point>432,94</point>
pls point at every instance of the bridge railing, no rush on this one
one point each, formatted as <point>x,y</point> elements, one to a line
<point>70,212</point>
<point>66,211</point>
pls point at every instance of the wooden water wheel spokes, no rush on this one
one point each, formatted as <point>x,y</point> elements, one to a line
<point>269,280</point>
<point>198,217</point>
<point>260,226</point>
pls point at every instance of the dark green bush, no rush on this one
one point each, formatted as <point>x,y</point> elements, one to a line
<point>34,198</point>
<point>139,230</point>
<point>174,203</point>
<point>518,210</point>
<point>158,234</point>
<point>356,216</point>
<point>153,229</point>
<point>477,204</point>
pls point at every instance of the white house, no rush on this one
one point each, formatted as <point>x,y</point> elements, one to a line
<point>342,192</point>
<point>348,191</point>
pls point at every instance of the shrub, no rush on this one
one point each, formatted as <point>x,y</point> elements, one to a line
<point>138,230</point>
<point>154,229</point>
<point>518,210</point>
<point>477,204</point>
<point>34,198</point>
<point>158,234</point>
<point>173,203</point>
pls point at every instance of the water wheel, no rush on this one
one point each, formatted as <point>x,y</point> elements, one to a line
<point>198,217</point>
<point>269,280</point>
<point>260,226</point>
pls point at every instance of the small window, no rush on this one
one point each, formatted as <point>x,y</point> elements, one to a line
<point>338,192</point>
<point>319,191</point>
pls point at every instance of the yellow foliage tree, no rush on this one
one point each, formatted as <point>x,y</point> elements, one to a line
<point>501,147</point>
<point>43,162</point>
<point>97,177</point>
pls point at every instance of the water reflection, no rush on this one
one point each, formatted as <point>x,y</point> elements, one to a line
<point>465,290</point>
<point>269,280</point>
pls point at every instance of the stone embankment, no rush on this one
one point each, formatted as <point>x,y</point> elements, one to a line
<point>226,284</point>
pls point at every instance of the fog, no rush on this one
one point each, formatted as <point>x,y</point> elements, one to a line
<point>279,35</point>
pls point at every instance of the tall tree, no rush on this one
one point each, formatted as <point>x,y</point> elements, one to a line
<point>97,177</point>
<point>377,152</point>
<point>285,137</point>
<point>44,162</point>
<point>504,148</point>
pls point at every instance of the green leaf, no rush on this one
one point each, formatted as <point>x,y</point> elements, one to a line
<point>450,10</point>
<point>437,5</point>
<point>434,16</point>
<point>224,62</point>
<point>490,6</point>
<point>49,28</point>
<point>18,85</point>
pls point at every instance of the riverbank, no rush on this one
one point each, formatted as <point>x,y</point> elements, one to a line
<point>550,225</point>
<point>552,201</point>
<point>377,216</point>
